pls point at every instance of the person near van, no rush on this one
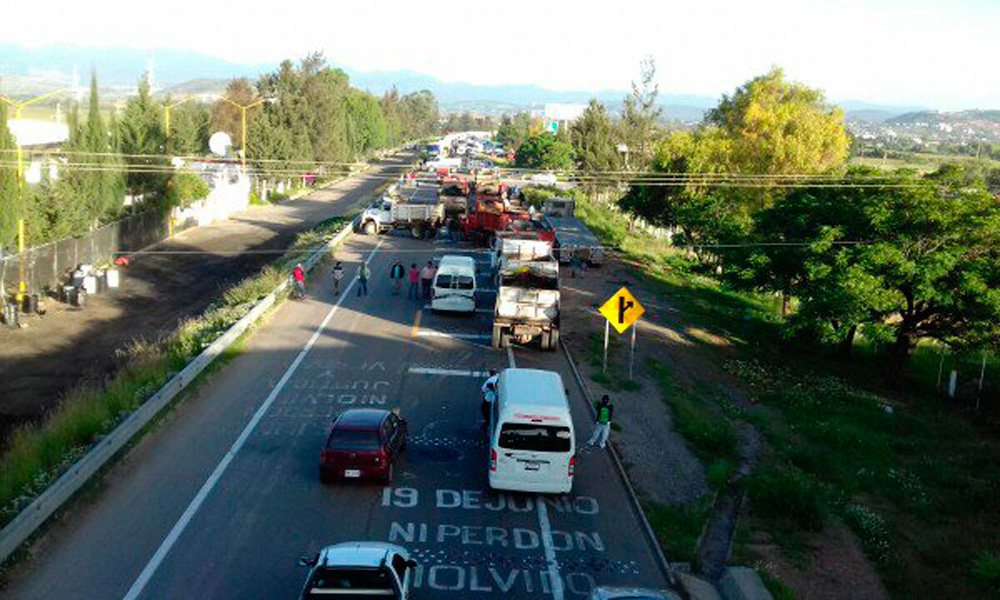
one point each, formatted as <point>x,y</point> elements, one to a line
<point>602,427</point>
<point>338,276</point>
<point>364,274</point>
<point>427,278</point>
<point>492,379</point>
<point>414,282</point>
<point>489,397</point>
<point>396,274</point>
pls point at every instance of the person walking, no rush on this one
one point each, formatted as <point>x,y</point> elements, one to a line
<point>396,274</point>
<point>299,280</point>
<point>364,274</point>
<point>427,278</point>
<point>414,292</point>
<point>338,276</point>
<point>602,427</point>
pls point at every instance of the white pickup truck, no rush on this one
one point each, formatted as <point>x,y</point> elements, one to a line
<point>527,305</point>
<point>393,213</point>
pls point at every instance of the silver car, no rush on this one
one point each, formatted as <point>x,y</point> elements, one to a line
<point>358,570</point>
<point>630,593</point>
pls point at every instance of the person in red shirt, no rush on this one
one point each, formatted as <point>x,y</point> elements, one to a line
<point>299,275</point>
<point>414,292</point>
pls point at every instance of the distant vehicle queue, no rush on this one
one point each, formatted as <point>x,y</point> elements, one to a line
<point>526,418</point>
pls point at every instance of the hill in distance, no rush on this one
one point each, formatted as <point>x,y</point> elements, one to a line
<point>180,72</point>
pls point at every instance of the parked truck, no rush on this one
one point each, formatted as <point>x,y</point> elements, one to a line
<point>527,304</point>
<point>392,212</point>
<point>571,235</point>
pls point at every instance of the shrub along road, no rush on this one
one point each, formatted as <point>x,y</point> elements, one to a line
<point>71,347</point>
<point>224,496</point>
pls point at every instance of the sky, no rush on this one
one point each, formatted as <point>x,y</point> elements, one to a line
<point>934,53</point>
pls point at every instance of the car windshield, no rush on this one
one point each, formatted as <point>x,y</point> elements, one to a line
<point>539,438</point>
<point>353,439</point>
<point>350,583</point>
<point>458,282</point>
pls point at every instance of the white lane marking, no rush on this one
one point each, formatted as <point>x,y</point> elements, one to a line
<point>543,525</point>
<point>458,336</point>
<point>550,554</point>
<point>192,508</point>
<point>447,372</point>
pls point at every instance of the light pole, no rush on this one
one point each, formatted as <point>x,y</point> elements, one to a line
<point>22,286</point>
<point>166,114</point>
<point>243,120</point>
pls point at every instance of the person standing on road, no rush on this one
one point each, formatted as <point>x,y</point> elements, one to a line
<point>338,276</point>
<point>364,274</point>
<point>602,427</point>
<point>492,379</point>
<point>427,278</point>
<point>414,282</point>
<point>489,397</point>
<point>299,277</point>
<point>396,274</point>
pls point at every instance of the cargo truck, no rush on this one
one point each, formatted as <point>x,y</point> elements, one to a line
<point>527,304</point>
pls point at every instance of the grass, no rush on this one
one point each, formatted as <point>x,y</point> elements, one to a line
<point>37,455</point>
<point>678,528</point>
<point>913,477</point>
<point>615,379</point>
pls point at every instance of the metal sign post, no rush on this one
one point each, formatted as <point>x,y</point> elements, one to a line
<point>622,311</point>
<point>607,327</point>
<point>631,354</point>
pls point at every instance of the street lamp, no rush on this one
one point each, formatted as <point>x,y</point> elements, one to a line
<point>166,114</point>
<point>243,118</point>
<point>22,286</point>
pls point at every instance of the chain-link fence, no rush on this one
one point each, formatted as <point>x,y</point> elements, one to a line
<point>47,266</point>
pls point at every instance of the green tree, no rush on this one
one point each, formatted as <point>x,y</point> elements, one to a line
<point>640,115</point>
<point>779,127</point>
<point>545,151</point>
<point>595,144</point>
<point>101,182</point>
<point>12,206</point>
<point>514,131</point>
<point>228,118</point>
<point>141,136</point>
<point>189,129</point>
<point>908,260</point>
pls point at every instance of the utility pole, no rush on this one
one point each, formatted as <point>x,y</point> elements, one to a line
<point>18,106</point>
<point>166,115</point>
<point>243,121</point>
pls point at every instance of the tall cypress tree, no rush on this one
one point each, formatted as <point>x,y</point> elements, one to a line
<point>11,205</point>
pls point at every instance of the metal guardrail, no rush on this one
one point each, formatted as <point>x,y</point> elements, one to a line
<point>52,499</point>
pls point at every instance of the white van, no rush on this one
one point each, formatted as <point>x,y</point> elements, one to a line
<point>455,284</point>
<point>531,438</point>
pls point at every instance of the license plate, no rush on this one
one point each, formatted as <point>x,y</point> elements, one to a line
<point>352,473</point>
<point>531,466</point>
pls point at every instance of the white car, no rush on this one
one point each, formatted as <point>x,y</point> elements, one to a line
<point>359,570</point>
<point>544,178</point>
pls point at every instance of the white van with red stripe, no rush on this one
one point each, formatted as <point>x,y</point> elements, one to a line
<point>531,438</point>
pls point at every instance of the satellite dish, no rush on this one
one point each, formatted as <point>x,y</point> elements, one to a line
<point>220,143</point>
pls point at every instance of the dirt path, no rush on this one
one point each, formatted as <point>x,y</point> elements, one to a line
<point>69,347</point>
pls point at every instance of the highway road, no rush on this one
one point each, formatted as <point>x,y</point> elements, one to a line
<point>223,496</point>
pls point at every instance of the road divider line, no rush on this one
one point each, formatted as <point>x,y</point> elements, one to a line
<point>457,336</point>
<point>416,322</point>
<point>168,543</point>
<point>447,372</point>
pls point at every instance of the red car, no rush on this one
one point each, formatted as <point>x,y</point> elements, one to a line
<point>363,444</point>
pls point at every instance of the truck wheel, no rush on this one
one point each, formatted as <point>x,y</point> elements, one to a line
<point>554,340</point>
<point>546,344</point>
<point>497,336</point>
<point>417,232</point>
<point>370,228</point>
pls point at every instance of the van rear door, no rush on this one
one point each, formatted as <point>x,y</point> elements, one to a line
<point>534,451</point>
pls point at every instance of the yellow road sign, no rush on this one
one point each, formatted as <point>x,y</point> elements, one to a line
<point>622,310</point>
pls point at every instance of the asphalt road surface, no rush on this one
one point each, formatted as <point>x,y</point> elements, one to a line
<point>221,499</point>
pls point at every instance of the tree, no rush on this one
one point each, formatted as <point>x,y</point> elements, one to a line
<point>189,129</point>
<point>778,127</point>
<point>228,118</point>
<point>141,136</point>
<point>595,143</point>
<point>640,114</point>
<point>101,182</point>
<point>12,206</point>
<point>514,131</point>
<point>907,260</point>
<point>545,151</point>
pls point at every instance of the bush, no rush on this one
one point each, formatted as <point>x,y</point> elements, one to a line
<point>986,570</point>
<point>785,493</point>
<point>185,188</point>
<point>872,530</point>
